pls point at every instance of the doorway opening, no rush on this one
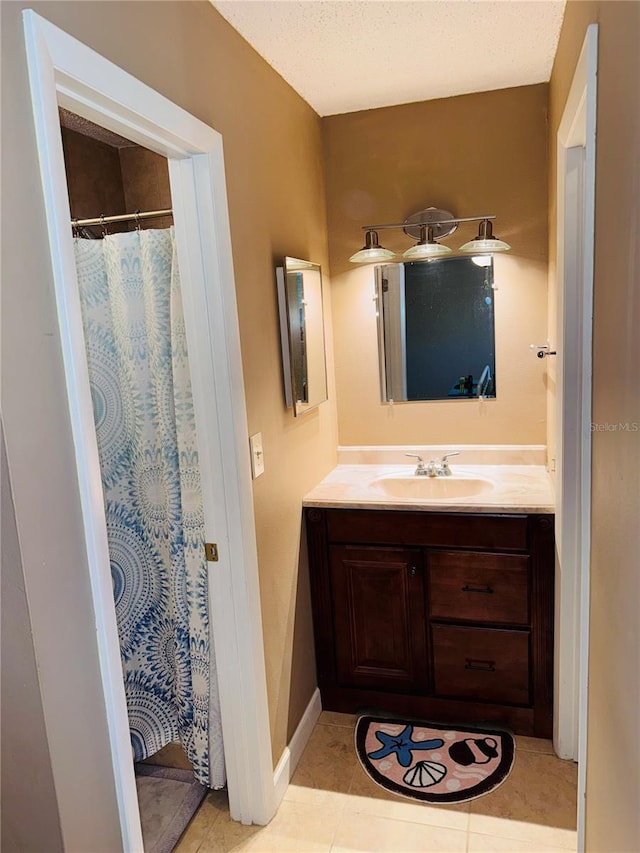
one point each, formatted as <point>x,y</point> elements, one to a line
<point>138,365</point>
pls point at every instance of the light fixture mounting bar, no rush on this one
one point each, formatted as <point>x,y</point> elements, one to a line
<point>453,221</point>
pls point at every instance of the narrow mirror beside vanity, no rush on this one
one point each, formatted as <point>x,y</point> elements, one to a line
<point>302,334</point>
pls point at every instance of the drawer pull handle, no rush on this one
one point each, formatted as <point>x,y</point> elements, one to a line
<point>485,590</point>
<point>480,665</point>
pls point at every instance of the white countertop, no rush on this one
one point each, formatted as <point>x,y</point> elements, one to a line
<point>513,489</point>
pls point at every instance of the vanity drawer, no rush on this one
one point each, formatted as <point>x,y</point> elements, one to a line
<point>479,587</point>
<point>484,664</point>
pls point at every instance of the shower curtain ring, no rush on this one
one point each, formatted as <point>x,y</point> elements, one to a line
<point>138,220</point>
<point>75,227</point>
<point>105,231</point>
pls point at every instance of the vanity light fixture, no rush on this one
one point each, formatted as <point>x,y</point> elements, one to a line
<point>428,227</point>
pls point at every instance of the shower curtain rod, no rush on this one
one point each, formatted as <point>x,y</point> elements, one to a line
<point>124,217</point>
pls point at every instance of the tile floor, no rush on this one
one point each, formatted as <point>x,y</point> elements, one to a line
<point>332,805</point>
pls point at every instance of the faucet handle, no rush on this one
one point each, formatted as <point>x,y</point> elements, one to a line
<point>444,462</point>
<point>421,468</point>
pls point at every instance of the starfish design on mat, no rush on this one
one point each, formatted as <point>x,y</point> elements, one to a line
<point>401,745</point>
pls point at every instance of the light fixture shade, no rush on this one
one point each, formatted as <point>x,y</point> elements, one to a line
<point>367,256</point>
<point>485,247</point>
<point>426,247</point>
<point>485,243</point>
<point>372,251</point>
<point>426,250</point>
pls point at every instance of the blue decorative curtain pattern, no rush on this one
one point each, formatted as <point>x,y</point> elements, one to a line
<point>143,411</point>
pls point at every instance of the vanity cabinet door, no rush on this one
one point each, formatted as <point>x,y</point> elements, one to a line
<point>379,617</point>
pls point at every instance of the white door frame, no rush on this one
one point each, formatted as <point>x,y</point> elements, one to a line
<point>576,162</point>
<point>63,71</point>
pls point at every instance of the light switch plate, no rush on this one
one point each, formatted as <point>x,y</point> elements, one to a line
<point>257,456</point>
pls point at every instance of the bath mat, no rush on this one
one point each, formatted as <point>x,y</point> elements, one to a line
<point>168,799</point>
<point>431,762</point>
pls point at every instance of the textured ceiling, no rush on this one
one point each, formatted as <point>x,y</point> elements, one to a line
<point>87,128</point>
<point>348,55</point>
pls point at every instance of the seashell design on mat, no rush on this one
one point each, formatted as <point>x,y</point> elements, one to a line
<point>424,774</point>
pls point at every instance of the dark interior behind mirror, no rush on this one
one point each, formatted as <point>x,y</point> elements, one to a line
<point>436,337</point>
<point>302,334</point>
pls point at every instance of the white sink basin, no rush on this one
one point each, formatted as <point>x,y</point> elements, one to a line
<point>431,488</point>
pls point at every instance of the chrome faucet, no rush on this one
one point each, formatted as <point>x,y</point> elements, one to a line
<point>433,468</point>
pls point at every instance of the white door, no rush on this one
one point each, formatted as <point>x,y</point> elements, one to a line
<point>575,240</point>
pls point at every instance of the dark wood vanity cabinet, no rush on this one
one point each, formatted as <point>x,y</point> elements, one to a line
<point>447,616</point>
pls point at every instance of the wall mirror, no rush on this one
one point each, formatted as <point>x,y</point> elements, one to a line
<point>436,337</point>
<point>302,334</point>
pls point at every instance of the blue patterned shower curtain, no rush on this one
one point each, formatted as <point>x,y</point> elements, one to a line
<point>141,393</point>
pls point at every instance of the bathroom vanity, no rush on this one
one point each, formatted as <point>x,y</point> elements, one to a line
<point>441,609</point>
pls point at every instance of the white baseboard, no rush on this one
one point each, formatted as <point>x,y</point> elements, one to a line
<point>291,755</point>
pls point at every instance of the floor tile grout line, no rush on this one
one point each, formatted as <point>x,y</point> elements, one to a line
<point>335,831</point>
<point>400,820</point>
<point>551,848</point>
<point>414,822</point>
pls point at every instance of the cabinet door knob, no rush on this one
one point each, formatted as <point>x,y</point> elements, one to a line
<point>413,571</point>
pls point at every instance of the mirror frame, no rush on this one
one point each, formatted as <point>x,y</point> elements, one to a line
<point>293,394</point>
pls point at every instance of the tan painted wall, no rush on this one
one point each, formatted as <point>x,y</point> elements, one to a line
<point>273,156</point>
<point>473,154</point>
<point>612,816</point>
